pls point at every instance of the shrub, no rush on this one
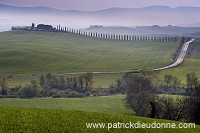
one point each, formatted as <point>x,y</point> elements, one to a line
<point>57,95</point>
<point>112,90</point>
<point>11,96</point>
<point>88,94</point>
<point>28,92</point>
<point>74,94</point>
<point>67,91</point>
<point>65,95</point>
<point>53,92</point>
<point>80,95</point>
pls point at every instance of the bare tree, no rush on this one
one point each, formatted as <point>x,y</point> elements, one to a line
<point>167,107</point>
<point>85,81</point>
<point>4,85</point>
<point>139,90</point>
<point>171,82</point>
<point>88,77</point>
<point>193,98</point>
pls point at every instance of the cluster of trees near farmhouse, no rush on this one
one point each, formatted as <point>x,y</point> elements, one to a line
<point>141,92</point>
<point>49,28</point>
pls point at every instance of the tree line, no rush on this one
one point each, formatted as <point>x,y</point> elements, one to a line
<point>142,89</point>
<point>118,37</point>
<point>59,28</point>
<point>56,87</point>
<point>60,86</point>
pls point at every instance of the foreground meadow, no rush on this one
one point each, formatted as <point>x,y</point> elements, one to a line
<point>20,119</point>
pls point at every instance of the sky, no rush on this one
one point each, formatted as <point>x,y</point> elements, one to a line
<point>93,5</point>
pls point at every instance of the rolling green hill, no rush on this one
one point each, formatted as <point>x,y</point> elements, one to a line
<point>189,65</point>
<point>196,54</point>
<point>20,119</point>
<point>105,104</point>
<point>111,104</point>
<point>27,53</point>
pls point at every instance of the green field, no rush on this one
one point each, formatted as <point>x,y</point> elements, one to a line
<point>189,65</point>
<point>105,104</point>
<point>32,52</point>
<point>112,104</point>
<point>20,119</point>
<point>196,54</point>
<point>27,53</point>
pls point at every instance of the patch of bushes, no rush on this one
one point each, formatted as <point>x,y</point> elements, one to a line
<point>74,94</point>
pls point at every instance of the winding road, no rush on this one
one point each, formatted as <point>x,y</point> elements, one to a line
<point>180,57</point>
<point>178,61</point>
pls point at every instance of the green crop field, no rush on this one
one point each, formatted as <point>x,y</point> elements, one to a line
<point>32,52</point>
<point>109,104</point>
<point>196,54</point>
<point>189,65</point>
<point>20,119</point>
<point>105,104</point>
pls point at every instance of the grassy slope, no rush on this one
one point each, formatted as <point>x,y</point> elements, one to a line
<point>189,65</point>
<point>27,53</point>
<point>197,50</point>
<point>18,119</point>
<point>107,104</point>
<point>114,104</point>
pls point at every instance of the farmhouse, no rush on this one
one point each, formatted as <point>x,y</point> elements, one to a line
<point>45,27</point>
<point>40,27</point>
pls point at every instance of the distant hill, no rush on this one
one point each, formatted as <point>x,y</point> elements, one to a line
<point>147,30</point>
<point>5,24</point>
<point>154,15</point>
<point>191,25</point>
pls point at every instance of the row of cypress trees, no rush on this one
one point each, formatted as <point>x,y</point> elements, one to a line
<point>140,38</point>
<point>119,37</point>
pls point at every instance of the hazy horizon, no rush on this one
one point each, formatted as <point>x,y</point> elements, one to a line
<point>93,5</point>
<point>11,16</point>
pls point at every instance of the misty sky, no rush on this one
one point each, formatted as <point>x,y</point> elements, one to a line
<point>92,5</point>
